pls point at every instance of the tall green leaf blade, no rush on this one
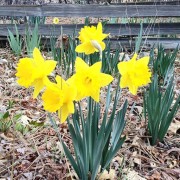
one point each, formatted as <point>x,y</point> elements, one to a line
<point>71,159</point>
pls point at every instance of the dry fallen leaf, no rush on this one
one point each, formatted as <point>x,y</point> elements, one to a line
<point>118,159</point>
<point>139,108</point>
<point>174,126</point>
<point>135,141</point>
<point>155,176</point>
<point>133,175</point>
<point>24,120</point>
<point>108,175</point>
<point>166,176</point>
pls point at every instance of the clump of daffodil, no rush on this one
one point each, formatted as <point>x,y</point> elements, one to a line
<point>55,20</point>
<point>59,97</point>
<point>88,79</point>
<point>91,40</point>
<point>134,73</point>
<point>34,71</point>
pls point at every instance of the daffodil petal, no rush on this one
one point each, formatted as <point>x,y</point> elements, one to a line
<point>143,61</point>
<point>25,72</point>
<point>123,67</point>
<point>105,79</point>
<point>99,27</point>
<point>80,65</point>
<point>38,85</point>
<point>65,110</point>
<point>52,100</point>
<point>37,55</point>
<point>96,67</point>
<point>134,57</point>
<point>95,94</point>
<point>133,89</point>
<point>49,66</point>
<point>86,48</point>
<point>124,82</point>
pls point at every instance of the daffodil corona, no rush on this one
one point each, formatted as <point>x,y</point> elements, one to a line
<point>134,73</point>
<point>34,71</point>
<point>91,39</point>
<point>59,97</point>
<point>89,80</point>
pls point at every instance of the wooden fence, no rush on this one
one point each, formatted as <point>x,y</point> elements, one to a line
<point>100,11</point>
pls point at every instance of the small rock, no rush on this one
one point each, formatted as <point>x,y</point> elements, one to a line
<point>3,61</point>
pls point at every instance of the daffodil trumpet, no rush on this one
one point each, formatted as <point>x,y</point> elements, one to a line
<point>134,73</point>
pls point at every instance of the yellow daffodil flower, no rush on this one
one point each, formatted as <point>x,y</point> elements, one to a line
<point>55,20</point>
<point>89,80</point>
<point>91,39</point>
<point>34,71</point>
<point>59,96</point>
<point>134,73</point>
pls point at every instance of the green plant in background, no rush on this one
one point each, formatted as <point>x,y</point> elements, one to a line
<point>35,19</point>
<point>113,20</point>
<point>138,40</point>
<point>32,40</point>
<point>19,126</point>
<point>163,64</point>
<point>109,59</point>
<point>56,51</point>
<point>63,51</point>
<point>95,142</point>
<point>15,42</point>
<point>160,109</point>
<point>5,120</point>
<point>23,125</point>
<point>69,56</point>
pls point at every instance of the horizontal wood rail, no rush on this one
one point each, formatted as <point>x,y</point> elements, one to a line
<point>120,43</point>
<point>160,2</point>
<point>147,43</point>
<point>77,10</point>
<point>113,29</point>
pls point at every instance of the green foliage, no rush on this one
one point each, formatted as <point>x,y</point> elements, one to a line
<point>160,109</point>
<point>36,19</point>
<point>5,120</point>
<point>15,42</point>
<point>56,52</point>
<point>113,20</point>
<point>65,54</point>
<point>138,40</point>
<point>69,56</point>
<point>32,40</point>
<point>95,146</point>
<point>21,128</point>
<point>87,21</point>
<point>110,60</point>
<point>163,64</point>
